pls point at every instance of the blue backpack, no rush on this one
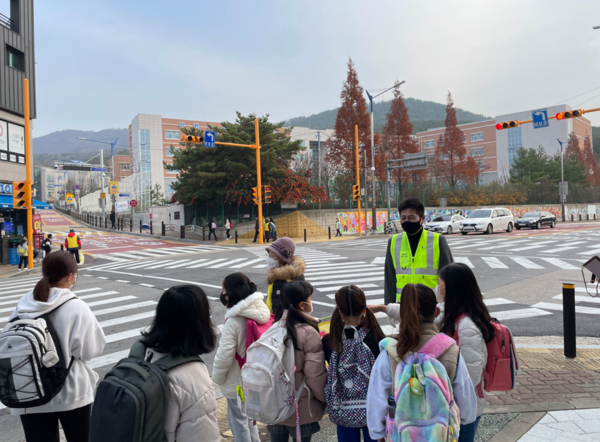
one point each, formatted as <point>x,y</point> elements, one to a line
<point>348,381</point>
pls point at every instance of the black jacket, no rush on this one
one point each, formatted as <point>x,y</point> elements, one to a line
<point>112,216</point>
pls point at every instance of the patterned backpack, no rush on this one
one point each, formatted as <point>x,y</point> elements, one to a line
<point>348,381</point>
<point>425,406</point>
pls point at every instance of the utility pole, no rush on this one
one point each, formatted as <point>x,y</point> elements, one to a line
<point>319,157</point>
<point>366,188</point>
<point>28,172</point>
<point>103,200</point>
<point>358,180</point>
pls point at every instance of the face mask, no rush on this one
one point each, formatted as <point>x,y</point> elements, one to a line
<point>438,294</point>
<point>224,300</point>
<point>272,263</point>
<point>73,285</point>
<point>311,308</point>
<point>411,228</point>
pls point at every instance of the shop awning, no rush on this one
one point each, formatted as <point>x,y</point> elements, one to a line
<point>6,202</point>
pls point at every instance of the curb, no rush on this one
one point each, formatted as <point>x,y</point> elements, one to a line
<point>516,428</point>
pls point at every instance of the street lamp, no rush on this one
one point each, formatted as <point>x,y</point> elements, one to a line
<point>374,215</point>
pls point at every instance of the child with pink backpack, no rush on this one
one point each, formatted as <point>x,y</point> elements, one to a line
<point>419,388</point>
<point>246,318</point>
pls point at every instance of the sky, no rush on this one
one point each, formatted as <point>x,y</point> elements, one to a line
<point>101,63</point>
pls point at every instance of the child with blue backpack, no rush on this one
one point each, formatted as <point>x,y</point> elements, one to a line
<point>351,348</point>
<point>419,387</point>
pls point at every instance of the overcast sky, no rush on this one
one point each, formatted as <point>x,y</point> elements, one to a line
<point>101,63</point>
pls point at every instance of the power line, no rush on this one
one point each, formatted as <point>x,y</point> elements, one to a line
<point>564,101</point>
<point>588,100</point>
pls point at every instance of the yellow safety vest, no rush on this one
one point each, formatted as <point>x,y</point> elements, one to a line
<point>423,267</point>
<point>72,242</point>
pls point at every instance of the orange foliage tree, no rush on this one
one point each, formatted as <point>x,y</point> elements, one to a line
<point>450,164</point>
<point>585,155</point>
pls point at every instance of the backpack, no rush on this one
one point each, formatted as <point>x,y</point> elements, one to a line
<point>348,382</point>
<point>213,226</point>
<point>500,372</point>
<point>32,365</point>
<point>425,406</point>
<point>254,331</point>
<point>22,250</point>
<point>267,380</point>
<point>272,226</point>
<point>131,401</point>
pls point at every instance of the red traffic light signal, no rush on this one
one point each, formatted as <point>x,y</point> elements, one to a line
<point>267,196</point>
<point>569,114</point>
<point>508,124</point>
<point>192,139</point>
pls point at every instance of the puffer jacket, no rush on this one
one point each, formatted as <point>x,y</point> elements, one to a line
<point>310,367</point>
<point>191,405</point>
<point>226,370</point>
<point>279,277</point>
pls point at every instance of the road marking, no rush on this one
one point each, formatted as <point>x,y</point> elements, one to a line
<point>244,264</point>
<point>378,301</point>
<point>163,264</point>
<point>497,301</point>
<point>26,288</point>
<point>494,263</point>
<point>367,293</point>
<point>464,260</point>
<point>582,299</point>
<point>511,243</point>
<point>126,319</point>
<point>339,265</point>
<point>519,314</point>
<point>326,304</point>
<point>164,279</point>
<point>357,275</point>
<point>335,288</point>
<point>147,285</point>
<point>111,300</point>
<point>537,245</point>
<point>559,308</point>
<point>77,292</point>
<point>378,260</point>
<point>101,277</point>
<point>590,252</point>
<point>357,269</point>
<point>146,264</point>
<point>202,264</point>
<point>185,263</point>
<point>223,264</point>
<point>127,334</point>
<point>348,281</point>
<point>108,311</point>
<point>526,263</point>
<point>560,263</point>
<point>123,281</point>
<point>108,359</point>
<point>98,295</point>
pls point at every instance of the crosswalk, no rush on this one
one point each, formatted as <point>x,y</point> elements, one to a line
<point>79,232</point>
<point>133,255</point>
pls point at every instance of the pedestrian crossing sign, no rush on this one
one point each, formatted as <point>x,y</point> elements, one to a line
<point>114,187</point>
<point>69,198</point>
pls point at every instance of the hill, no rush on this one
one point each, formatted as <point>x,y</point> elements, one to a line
<point>66,140</point>
<point>423,115</point>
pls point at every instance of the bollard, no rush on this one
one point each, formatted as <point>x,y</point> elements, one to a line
<point>588,216</point>
<point>572,217</point>
<point>106,222</point>
<point>236,236</point>
<point>329,229</point>
<point>304,235</point>
<point>131,225</point>
<point>151,233</point>
<point>569,324</point>
<point>182,234</point>
<point>580,217</point>
<point>62,247</point>
<point>162,228</point>
<point>203,234</point>
<point>140,226</point>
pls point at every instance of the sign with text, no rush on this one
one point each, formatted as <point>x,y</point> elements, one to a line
<point>114,187</point>
<point>540,118</point>
<point>122,206</point>
<point>16,139</point>
<point>133,203</point>
<point>3,135</point>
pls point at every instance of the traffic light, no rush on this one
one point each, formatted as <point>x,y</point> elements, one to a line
<point>192,139</point>
<point>21,195</point>
<point>508,124</point>
<point>569,114</point>
<point>256,195</point>
<point>267,198</point>
<point>355,192</point>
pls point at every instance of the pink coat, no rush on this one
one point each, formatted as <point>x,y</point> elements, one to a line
<point>310,365</point>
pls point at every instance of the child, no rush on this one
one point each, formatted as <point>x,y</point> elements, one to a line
<point>393,401</point>
<point>243,303</point>
<point>350,348</point>
<point>283,268</point>
<point>303,334</point>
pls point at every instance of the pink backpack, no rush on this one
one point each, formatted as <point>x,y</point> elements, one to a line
<point>500,372</point>
<point>253,332</point>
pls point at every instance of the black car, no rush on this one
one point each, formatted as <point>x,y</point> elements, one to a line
<point>536,220</point>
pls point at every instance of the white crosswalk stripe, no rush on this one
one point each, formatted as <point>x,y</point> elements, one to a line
<point>464,260</point>
<point>494,262</point>
<point>526,263</point>
<point>561,264</point>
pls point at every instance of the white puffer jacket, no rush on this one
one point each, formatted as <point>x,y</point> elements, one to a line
<point>226,370</point>
<point>471,343</point>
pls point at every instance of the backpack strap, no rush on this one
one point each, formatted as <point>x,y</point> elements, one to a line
<point>167,362</point>
<point>459,318</point>
<point>437,345</point>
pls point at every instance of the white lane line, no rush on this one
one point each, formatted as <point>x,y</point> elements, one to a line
<point>98,295</point>
<point>108,359</point>
<point>126,319</point>
<point>226,263</point>
<point>367,293</point>
<point>123,281</point>
<point>163,264</point>
<point>335,288</point>
<point>146,285</point>
<point>561,264</point>
<point>524,313</point>
<point>126,255</point>
<point>590,252</point>
<point>356,275</point>
<point>108,311</point>
<point>110,258</point>
<point>336,272</point>
<point>496,301</point>
<point>582,299</point>
<point>21,290</point>
<point>494,263</point>
<point>559,308</point>
<point>247,263</point>
<point>161,252</point>
<point>127,334</point>
<point>21,281</point>
<point>77,292</point>
<point>207,263</point>
<point>378,301</point>
<point>111,300</point>
<point>19,285</point>
<point>526,263</point>
<point>464,260</point>
<point>326,304</point>
<point>144,254</point>
<point>511,243</point>
<point>165,279</point>
<point>185,263</point>
<point>562,249</point>
<point>339,265</point>
<point>146,264</point>
<point>101,277</point>
<point>348,281</point>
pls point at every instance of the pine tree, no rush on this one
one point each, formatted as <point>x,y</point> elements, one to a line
<point>450,164</point>
<point>341,148</point>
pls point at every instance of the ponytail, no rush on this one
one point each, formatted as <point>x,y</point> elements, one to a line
<point>418,306</point>
<point>55,267</point>
<point>294,293</point>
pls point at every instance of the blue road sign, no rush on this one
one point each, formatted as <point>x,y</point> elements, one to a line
<point>196,126</point>
<point>540,118</point>
<point>77,187</point>
<point>182,125</point>
<point>209,138</point>
<point>99,169</point>
<point>123,195</point>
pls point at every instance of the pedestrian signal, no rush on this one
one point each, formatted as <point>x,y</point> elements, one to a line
<point>355,192</point>
<point>569,114</point>
<point>21,195</point>
<point>267,195</point>
<point>192,139</point>
<point>256,195</point>
<point>508,124</point>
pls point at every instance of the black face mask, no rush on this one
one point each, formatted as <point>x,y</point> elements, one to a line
<point>411,228</point>
<point>223,300</point>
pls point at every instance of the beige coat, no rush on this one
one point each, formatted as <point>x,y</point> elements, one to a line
<point>192,405</point>
<point>226,370</point>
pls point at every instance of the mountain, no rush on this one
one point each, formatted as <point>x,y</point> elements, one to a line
<point>66,140</point>
<point>423,115</point>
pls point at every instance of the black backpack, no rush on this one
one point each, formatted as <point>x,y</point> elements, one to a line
<point>131,401</point>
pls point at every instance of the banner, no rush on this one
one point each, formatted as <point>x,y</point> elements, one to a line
<point>16,139</point>
<point>122,206</point>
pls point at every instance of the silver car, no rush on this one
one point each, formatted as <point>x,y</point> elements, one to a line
<point>445,224</point>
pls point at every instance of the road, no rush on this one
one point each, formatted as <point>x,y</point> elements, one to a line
<point>520,274</point>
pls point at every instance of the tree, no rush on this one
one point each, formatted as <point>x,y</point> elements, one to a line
<point>575,171</point>
<point>228,173</point>
<point>585,156</point>
<point>530,166</point>
<point>341,148</point>
<point>397,137</point>
<point>157,198</point>
<point>450,164</point>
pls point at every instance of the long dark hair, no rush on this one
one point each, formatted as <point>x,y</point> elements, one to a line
<point>418,306</point>
<point>55,267</point>
<point>237,287</point>
<point>182,323</point>
<point>294,293</point>
<point>464,296</point>
<point>351,301</point>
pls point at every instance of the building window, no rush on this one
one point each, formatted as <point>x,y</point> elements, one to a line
<point>514,143</point>
<point>314,150</point>
<point>428,144</point>
<point>172,134</point>
<point>125,167</point>
<point>176,215</point>
<point>477,152</point>
<point>169,189</point>
<point>15,58</point>
<point>168,151</point>
<point>477,136</point>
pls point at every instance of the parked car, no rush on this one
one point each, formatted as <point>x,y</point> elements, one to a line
<point>488,221</point>
<point>445,224</point>
<point>536,220</point>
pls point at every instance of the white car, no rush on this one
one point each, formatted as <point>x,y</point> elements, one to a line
<point>488,221</point>
<point>445,224</point>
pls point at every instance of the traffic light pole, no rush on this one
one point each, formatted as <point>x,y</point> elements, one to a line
<point>28,166</point>
<point>358,180</point>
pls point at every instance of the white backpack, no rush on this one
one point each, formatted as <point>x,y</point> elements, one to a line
<point>268,377</point>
